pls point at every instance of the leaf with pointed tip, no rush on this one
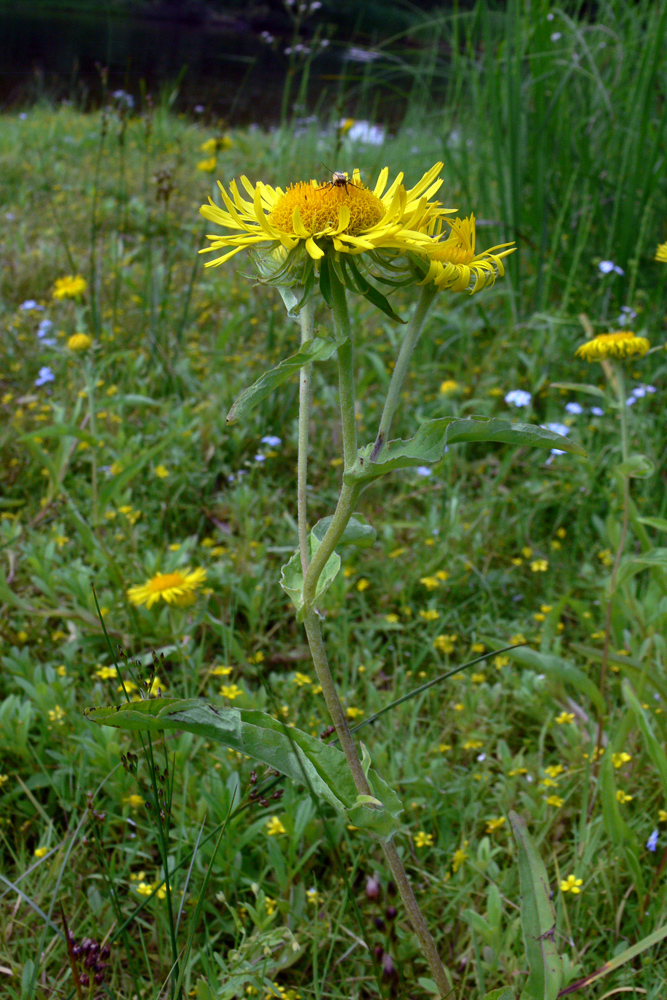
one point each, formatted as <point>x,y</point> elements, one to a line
<point>302,757</point>
<point>434,437</point>
<point>538,919</point>
<point>317,349</point>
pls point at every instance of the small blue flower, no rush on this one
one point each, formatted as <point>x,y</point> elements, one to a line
<point>574,408</point>
<point>640,391</point>
<point>271,440</point>
<point>519,397</point>
<point>597,411</point>
<point>652,842</point>
<point>30,304</point>
<point>44,327</point>
<point>259,457</point>
<point>45,375</point>
<point>561,429</point>
<point>607,266</point>
<point>423,470</point>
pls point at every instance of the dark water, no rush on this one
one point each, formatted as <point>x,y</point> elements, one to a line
<point>225,69</point>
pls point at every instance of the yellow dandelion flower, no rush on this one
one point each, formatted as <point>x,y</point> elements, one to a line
<point>571,884</point>
<point>622,344</point>
<point>344,216</point>
<point>423,839</point>
<point>454,263</point>
<point>79,342</point>
<point>449,385</point>
<point>70,287</point>
<point>175,588</point>
<point>661,253</point>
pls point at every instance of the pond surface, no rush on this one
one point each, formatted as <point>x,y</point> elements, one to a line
<point>224,69</point>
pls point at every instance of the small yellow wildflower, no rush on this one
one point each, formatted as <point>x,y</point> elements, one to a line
<point>571,884</point>
<point>620,759</point>
<point>623,797</point>
<point>662,816</point>
<point>495,824</point>
<point>313,896</point>
<point>445,643</point>
<point>208,165</point>
<point>257,657</point>
<point>40,852</point>
<point>472,745</point>
<point>459,858</point>
<point>442,575</point>
<point>392,619</point>
<point>353,713</point>
<point>395,553</point>
<point>564,717</point>
<point>213,146</point>
<point>554,770</point>
<point>444,747</point>
<point>605,557</point>
<point>177,588</point>
<point>555,800</point>
<point>449,385</point>
<point>79,342</point>
<point>501,661</point>
<point>274,827</point>
<point>478,678</point>
<point>423,839</point>
<point>517,770</point>
<point>161,471</point>
<point>61,670</point>
<point>621,344</point>
<point>220,671</point>
<point>70,287</point>
<point>106,673</point>
<point>362,585</point>
<point>478,647</point>
<point>4,778</point>
<point>430,582</point>
<point>539,565</point>
<point>57,715</point>
<point>134,801</point>
<point>431,615</point>
<point>230,691</point>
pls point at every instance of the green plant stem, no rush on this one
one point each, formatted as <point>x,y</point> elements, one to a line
<point>311,619</point>
<point>90,399</point>
<point>307,319</point>
<point>348,746</point>
<point>415,326</point>
<point>341,318</point>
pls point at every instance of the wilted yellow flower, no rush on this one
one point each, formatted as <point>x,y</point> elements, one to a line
<point>454,264</point>
<point>79,342</point>
<point>175,588</point>
<point>622,344</point>
<point>342,215</point>
<point>70,287</point>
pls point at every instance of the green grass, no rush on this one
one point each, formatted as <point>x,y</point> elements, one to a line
<point>82,505</point>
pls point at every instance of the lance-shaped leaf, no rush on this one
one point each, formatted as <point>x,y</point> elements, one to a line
<point>317,349</point>
<point>358,532</point>
<point>538,919</point>
<point>433,438</point>
<point>291,751</point>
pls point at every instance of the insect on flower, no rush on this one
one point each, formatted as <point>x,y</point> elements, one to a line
<point>339,178</point>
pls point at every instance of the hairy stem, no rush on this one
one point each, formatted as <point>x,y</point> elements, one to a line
<point>307,318</point>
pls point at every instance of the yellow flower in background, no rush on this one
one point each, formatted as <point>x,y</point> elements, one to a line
<point>342,215</point>
<point>208,166</point>
<point>161,471</point>
<point>106,673</point>
<point>134,801</point>
<point>423,839</point>
<point>176,588</point>
<point>571,884</point>
<point>622,344</point>
<point>213,146</point>
<point>454,263</point>
<point>564,717</point>
<point>230,691</point>
<point>619,759</point>
<point>449,385</point>
<point>70,287</point>
<point>661,253</point>
<point>40,852</point>
<point>79,342</point>
<point>274,827</point>
<point>495,824</point>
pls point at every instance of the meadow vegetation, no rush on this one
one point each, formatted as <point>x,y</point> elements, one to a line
<point>194,872</point>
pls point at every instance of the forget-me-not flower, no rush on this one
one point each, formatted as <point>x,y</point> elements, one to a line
<point>519,397</point>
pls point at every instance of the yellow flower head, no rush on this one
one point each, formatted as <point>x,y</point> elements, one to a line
<point>79,342</point>
<point>622,344</point>
<point>208,165</point>
<point>661,253</point>
<point>70,287</point>
<point>454,263</point>
<point>571,884</point>
<point>175,588</point>
<point>342,215</point>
